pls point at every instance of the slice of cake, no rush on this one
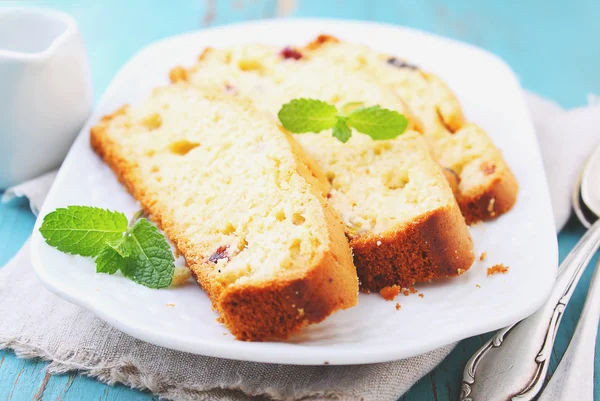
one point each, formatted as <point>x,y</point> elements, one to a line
<point>241,202</point>
<point>401,216</point>
<point>486,186</point>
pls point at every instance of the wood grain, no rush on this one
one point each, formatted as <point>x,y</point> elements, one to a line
<point>553,55</point>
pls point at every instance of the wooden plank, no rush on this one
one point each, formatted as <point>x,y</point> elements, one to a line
<point>39,394</point>
<point>17,377</point>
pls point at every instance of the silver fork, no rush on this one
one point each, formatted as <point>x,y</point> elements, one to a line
<point>574,376</point>
<point>513,364</point>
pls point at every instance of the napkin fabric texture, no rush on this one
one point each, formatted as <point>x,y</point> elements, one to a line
<point>38,324</point>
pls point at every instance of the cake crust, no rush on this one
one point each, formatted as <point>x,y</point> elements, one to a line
<point>436,245</point>
<point>270,310</point>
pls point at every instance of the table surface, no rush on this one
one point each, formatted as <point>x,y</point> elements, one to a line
<point>548,43</point>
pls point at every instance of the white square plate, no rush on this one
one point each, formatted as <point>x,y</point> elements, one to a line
<point>374,331</point>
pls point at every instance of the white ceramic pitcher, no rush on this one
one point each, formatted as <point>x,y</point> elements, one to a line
<point>45,91</point>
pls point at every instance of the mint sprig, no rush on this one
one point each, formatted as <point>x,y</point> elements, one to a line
<point>138,249</point>
<point>312,115</point>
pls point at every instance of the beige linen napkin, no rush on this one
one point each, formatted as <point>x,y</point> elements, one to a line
<point>36,323</point>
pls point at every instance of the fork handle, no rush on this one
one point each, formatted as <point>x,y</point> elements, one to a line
<point>574,376</point>
<point>512,365</point>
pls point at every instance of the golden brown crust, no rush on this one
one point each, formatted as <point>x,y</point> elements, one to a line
<point>437,245</point>
<point>276,309</point>
<point>494,200</point>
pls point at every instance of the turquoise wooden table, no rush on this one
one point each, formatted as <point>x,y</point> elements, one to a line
<point>551,44</point>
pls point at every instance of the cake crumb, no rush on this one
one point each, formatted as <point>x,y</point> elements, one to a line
<point>477,285</point>
<point>407,291</point>
<point>378,243</point>
<point>497,269</point>
<point>171,305</point>
<point>181,275</point>
<point>389,293</point>
<point>422,295</point>
<point>483,256</point>
<point>398,306</point>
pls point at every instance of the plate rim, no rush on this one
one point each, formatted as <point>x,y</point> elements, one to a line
<point>237,350</point>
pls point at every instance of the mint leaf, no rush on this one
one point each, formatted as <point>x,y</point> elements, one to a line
<point>341,130</point>
<point>109,260</point>
<point>377,122</point>
<point>142,254</point>
<point>307,115</point>
<point>82,230</point>
<point>150,261</point>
